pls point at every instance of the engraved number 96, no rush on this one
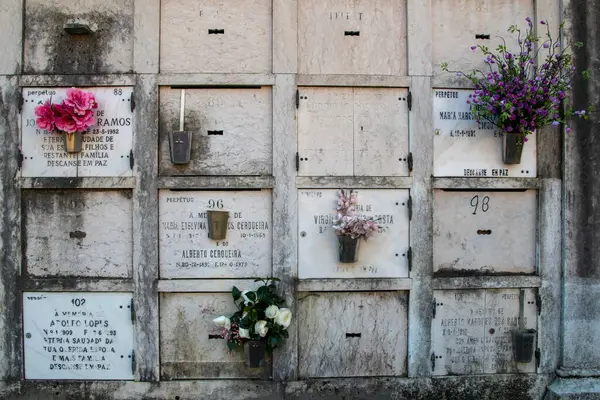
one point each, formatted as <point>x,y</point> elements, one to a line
<point>215,204</point>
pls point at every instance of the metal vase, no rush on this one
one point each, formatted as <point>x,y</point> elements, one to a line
<point>348,249</point>
<point>217,224</point>
<point>72,142</point>
<point>523,343</point>
<point>180,143</point>
<point>255,350</point>
<point>512,147</point>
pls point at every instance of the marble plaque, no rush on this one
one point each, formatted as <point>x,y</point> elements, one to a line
<point>479,232</point>
<point>106,146</point>
<point>78,335</point>
<point>191,346</point>
<point>384,255</point>
<point>353,131</point>
<point>216,36</point>
<point>352,334</point>
<point>78,233</point>
<point>456,26</point>
<point>472,331</point>
<point>352,37</point>
<point>463,147</point>
<point>185,248</point>
<point>232,130</point>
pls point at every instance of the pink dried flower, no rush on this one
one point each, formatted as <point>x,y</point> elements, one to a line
<point>80,101</point>
<point>65,119</point>
<point>347,223</point>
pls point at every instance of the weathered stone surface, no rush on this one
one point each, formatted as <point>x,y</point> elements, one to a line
<point>352,334</point>
<point>481,232</point>
<point>358,37</point>
<point>190,344</point>
<point>455,26</point>
<point>50,50</point>
<point>73,233</point>
<point>231,131</point>
<point>188,42</point>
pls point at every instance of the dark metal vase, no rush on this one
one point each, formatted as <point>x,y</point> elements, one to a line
<point>180,143</point>
<point>512,147</point>
<point>348,249</point>
<point>217,224</point>
<point>523,343</point>
<point>72,142</point>
<point>255,350</point>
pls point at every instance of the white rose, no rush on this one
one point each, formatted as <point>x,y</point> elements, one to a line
<point>244,333</point>
<point>271,311</point>
<point>247,301</point>
<point>283,317</point>
<point>261,328</point>
<point>223,322</point>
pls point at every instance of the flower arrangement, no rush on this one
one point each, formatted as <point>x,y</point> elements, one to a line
<point>347,222</point>
<point>260,317</point>
<point>74,114</point>
<point>515,95</point>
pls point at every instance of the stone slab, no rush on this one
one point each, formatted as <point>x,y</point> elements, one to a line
<point>78,233</point>
<point>216,36</point>
<point>78,336</point>
<point>191,346</point>
<point>471,331</point>
<point>484,232</point>
<point>106,146</point>
<point>463,147</point>
<point>353,131</point>
<point>185,250</point>
<point>49,49</point>
<point>357,37</point>
<point>232,130</point>
<point>352,334</point>
<point>384,255</point>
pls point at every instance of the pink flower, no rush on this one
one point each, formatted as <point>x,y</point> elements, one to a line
<point>83,122</point>
<point>65,120</point>
<point>46,116</point>
<point>80,101</point>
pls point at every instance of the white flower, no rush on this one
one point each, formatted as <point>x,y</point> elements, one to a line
<point>223,322</point>
<point>283,317</point>
<point>271,311</point>
<point>261,328</point>
<point>244,333</point>
<point>247,301</point>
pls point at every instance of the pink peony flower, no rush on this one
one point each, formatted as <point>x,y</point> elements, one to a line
<point>65,118</point>
<point>80,101</point>
<point>83,122</point>
<point>46,116</point>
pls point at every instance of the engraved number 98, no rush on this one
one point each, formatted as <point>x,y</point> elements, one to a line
<point>215,204</point>
<point>485,204</point>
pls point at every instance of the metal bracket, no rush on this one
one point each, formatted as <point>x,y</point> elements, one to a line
<point>20,159</point>
<point>297,99</point>
<point>131,162</point>
<point>409,161</point>
<point>133,361</point>
<point>409,258</point>
<point>297,161</point>
<point>409,100</point>
<point>433,309</point>
<point>538,357</point>
<point>132,102</point>
<point>409,205</point>
<point>132,311</point>
<point>21,101</point>
<point>538,303</point>
<point>432,362</point>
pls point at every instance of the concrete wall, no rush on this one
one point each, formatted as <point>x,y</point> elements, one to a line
<point>351,91</point>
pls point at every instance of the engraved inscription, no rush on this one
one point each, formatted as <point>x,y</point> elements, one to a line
<point>187,251</point>
<point>78,335</point>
